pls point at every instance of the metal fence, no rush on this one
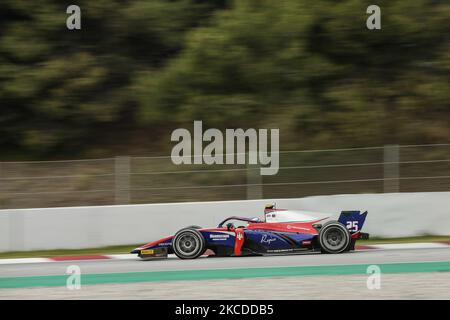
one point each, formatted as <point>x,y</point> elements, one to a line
<point>132,180</point>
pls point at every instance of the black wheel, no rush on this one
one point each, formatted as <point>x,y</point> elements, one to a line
<point>351,245</point>
<point>334,237</point>
<point>188,244</point>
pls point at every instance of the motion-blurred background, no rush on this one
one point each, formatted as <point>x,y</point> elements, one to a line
<point>86,115</point>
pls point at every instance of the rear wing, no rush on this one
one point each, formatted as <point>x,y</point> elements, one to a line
<point>353,220</point>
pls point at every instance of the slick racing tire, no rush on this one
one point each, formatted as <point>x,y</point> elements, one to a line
<point>334,237</point>
<point>351,245</point>
<point>188,243</point>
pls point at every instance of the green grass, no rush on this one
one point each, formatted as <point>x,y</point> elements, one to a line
<point>68,252</point>
<point>241,273</point>
<point>128,248</point>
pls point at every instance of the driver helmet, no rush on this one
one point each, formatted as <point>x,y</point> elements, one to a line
<point>269,208</point>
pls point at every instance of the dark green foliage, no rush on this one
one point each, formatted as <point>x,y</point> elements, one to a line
<point>137,69</point>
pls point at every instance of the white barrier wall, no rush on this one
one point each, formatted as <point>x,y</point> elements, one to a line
<point>390,215</point>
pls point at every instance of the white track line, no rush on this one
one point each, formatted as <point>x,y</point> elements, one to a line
<point>419,245</point>
<point>24,260</point>
<point>127,256</point>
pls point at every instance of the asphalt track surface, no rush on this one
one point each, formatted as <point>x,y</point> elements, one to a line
<point>405,274</point>
<point>211,263</point>
<point>432,285</point>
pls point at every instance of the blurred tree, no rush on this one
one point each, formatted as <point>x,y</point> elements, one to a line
<point>315,71</point>
<point>312,69</point>
<point>60,90</point>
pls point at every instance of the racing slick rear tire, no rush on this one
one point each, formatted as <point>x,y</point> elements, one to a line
<point>188,243</point>
<point>351,245</point>
<point>334,237</point>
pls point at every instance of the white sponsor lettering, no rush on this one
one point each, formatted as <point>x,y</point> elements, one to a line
<point>219,236</point>
<point>266,239</point>
<point>294,227</point>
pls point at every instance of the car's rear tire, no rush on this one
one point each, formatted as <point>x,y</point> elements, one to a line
<point>334,237</point>
<point>351,245</point>
<point>188,243</point>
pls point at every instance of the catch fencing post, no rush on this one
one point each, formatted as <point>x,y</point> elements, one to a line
<point>122,180</point>
<point>254,182</point>
<point>391,168</point>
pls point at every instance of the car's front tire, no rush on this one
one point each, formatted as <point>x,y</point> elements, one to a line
<point>334,237</point>
<point>188,243</point>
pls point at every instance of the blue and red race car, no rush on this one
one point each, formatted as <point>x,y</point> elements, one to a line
<point>282,231</point>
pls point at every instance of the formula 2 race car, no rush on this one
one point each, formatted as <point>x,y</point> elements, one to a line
<point>281,232</point>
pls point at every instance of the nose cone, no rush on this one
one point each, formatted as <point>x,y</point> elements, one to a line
<point>137,250</point>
